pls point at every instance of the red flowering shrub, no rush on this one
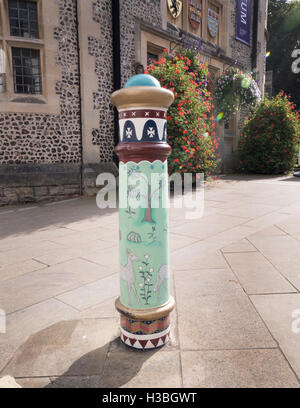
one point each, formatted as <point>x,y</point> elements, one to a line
<point>270,139</point>
<point>191,124</point>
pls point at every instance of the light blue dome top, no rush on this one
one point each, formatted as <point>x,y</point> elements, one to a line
<point>142,80</point>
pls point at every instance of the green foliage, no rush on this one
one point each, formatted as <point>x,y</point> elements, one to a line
<point>270,139</point>
<point>191,125</point>
<point>284,37</point>
<point>235,89</point>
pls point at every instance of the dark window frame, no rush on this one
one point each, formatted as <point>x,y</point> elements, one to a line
<point>27,57</point>
<point>23,19</point>
<point>26,81</point>
<point>151,57</point>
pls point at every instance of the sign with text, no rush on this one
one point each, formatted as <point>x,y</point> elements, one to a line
<point>243,21</point>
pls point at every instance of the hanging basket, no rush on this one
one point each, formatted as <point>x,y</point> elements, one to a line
<point>235,89</point>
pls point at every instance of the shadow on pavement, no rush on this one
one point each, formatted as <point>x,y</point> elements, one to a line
<point>121,365</point>
<point>26,219</point>
<point>253,177</point>
<point>292,178</point>
<point>76,354</point>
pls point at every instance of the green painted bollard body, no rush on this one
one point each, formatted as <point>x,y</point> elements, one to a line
<point>145,302</point>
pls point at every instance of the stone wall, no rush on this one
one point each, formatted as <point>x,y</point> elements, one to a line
<point>240,52</point>
<point>41,154</point>
<point>28,138</point>
<point>148,11</point>
<point>38,182</point>
<point>35,194</point>
<point>41,138</point>
<point>101,49</point>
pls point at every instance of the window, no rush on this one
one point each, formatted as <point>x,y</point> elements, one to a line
<point>151,58</point>
<point>27,70</point>
<point>154,51</point>
<point>23,19</point>
<point>23,49</point>
<point>26,27</point>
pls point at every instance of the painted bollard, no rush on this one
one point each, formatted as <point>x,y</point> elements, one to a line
<point>145,303</point>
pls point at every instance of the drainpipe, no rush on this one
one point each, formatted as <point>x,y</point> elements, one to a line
<point>80,108</point>
<point>254,34</point>
<point>116,63</point>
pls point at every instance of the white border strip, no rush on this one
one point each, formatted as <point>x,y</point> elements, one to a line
<point>145,336</point>
<point>144,108</point>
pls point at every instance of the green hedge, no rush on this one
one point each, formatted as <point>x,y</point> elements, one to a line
<point>270,139</point>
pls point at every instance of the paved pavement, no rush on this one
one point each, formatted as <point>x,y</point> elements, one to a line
<point>236,281</point>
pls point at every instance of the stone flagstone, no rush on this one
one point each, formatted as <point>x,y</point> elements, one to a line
<point>62,328</point>
<point>264,368</point>
<point>43,284</point>
<point>9,382</point>
<point>74,347</point>
<point>257,274</point>
<point>139,369</point>
<point>282,316</point>
<point>240,246</point>
<point>93,293</point>
<point>214,313</point>
<point>283,252</point>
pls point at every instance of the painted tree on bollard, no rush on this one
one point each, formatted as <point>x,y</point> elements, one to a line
<point>145,303</point>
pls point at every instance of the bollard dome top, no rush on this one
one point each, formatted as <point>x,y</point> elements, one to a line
<point>142,80</point>
<point>142,90</point>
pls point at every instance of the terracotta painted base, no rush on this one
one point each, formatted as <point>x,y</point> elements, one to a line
<point>145,342</point>
<point>145,329</point>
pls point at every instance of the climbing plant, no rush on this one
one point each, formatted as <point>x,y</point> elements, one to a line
<point>235,89</point>
<point>191,124</point>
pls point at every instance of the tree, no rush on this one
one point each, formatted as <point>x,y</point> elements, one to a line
<point>144,191</point>
<point>284,37</point>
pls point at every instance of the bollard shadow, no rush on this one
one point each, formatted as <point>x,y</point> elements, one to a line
<point>122,364</point>
<point>65,355</point>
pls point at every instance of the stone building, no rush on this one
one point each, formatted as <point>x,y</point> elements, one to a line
<point>61,59</point>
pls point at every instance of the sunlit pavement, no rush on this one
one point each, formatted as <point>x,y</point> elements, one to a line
<point>236,281</point>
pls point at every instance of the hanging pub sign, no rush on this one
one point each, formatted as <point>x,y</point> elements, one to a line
<point>175,7</point>
<point>213,20</point>
<point>195,12</point>
<point>243,21</point>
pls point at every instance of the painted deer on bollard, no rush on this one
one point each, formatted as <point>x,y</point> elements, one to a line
<point>162,277</point>
<point>127,274</point>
